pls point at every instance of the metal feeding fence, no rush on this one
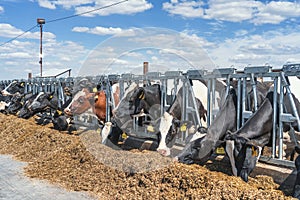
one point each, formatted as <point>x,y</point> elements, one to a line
<point>171,81</point>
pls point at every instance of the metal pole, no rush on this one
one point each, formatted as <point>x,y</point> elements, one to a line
<point>41,22</point>
<point>41,49</point>
<point>275,114</point>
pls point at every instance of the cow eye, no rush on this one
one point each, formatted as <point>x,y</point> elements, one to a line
<point>81,100</point>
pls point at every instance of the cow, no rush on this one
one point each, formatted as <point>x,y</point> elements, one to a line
<point>16,103</point>
<point>39,103</point>
<point>93,103</point>
<point>171,121</point>
<point>14,87</point>
<point>122,113</point>
<point>61,121</point>
<point>147,100</point>
<point>296,189</point>
<point>244,146</point>
<point>201,145</point>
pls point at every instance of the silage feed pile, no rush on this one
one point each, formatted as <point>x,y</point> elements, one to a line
<point>76,163</point>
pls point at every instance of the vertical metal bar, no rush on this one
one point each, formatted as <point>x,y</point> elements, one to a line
<point>244,99</point>
<point>108,98</point>
<point>213,97</point>
<point>184,100</point>
<point>163,97</point>
<point>280,134</point>
<point>253,84</point>
<point>275,113</point>
<point>208,102</point>
<point>227,85</point>
<point>41,49</point>
<point>238,110</point>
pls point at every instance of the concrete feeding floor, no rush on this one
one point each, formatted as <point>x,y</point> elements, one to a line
<point>14,185</point>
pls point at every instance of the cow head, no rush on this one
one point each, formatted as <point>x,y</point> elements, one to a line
<point>168,130</point>
<point>81,102</point>
<point>24,111</point>
<point>43,101</point>
<point>243,154</point>
<point>37,103</point>
<point>13,88</point>
<point>16,104</point>
<point>125,107</point>
<point>169,127</point>
<point>197,150</point>
<point>145,97</point>
<point>61,123</point>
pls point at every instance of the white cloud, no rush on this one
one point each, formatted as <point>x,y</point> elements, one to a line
<point>9,31</point>
<point>233,11</point>
<point>275,48</point>
<point>16,55</point>
<point>128,7</point>
<point>240,33</point>
<point>74,3</point>
<point>98,30</point>
<point>185,8</point>
<point>257,12</point>
<point>82,6</point>
<point>47,4</point>
<point>1,9</point>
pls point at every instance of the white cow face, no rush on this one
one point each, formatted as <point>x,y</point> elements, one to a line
<point>168,129</point>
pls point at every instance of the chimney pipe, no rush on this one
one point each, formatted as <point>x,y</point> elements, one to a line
<point>145,64</point>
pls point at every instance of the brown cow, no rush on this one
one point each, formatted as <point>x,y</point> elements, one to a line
<point>91,103</point>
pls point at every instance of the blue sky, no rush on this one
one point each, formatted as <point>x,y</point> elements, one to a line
<point>235,33</point>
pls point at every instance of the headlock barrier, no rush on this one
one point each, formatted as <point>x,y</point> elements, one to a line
<point>171,81</point>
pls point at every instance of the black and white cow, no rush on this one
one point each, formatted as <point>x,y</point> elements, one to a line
<point>296,190</point>
<point>121,119</point>
<point>144,99</point>
<point>170,122</point>
<point>16,103</point>
<point>39,103</point>
<point>14,87</point>
<point>244,146</point>
<point>201,145</point>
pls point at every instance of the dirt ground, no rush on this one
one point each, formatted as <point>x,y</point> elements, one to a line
<point>81,163</point>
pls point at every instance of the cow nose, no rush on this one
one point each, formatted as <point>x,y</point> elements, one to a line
<point>175,159</point>
<point>163,152</point>
<point>67,111</point>
<point>5,93</point>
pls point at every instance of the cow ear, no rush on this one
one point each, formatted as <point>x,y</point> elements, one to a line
<point>254,150</point>
<point>142,95</point>
<point>95,89</point>
<point>50,95</point>
<point>22,84</point>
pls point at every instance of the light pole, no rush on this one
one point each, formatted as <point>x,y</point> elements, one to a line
<point>41,22</point>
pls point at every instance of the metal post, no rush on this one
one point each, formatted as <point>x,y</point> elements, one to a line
<point>253,84</point>
<point>41,22</point>
<point>280,134</point>
<point>244,100</point>
<point>209,118</point>
<point>274,117</point>
<point>238,112</point>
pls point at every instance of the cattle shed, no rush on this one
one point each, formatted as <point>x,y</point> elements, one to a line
<point>217,85</point>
